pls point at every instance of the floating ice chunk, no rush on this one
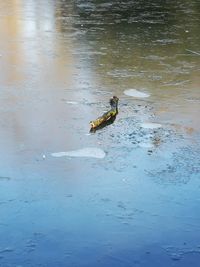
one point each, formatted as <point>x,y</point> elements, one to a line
<point>135,93</point>
<point>149,125</point>
<point>72,102</point>
<point>89,152</point>
<point>146,145</point>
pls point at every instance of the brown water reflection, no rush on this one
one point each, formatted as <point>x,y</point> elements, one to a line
<point>77,50</point>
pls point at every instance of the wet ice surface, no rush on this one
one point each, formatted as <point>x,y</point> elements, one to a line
<point>60,63</point>
<point>88,152</point>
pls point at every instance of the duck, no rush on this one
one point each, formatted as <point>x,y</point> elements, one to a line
<point>108,117</point>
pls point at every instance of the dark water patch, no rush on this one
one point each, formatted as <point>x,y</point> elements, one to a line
<point>181,253</point>
<point>4,178</point>
<point>106,200</point>
<point>69,196</point>
<point>30,246</point>
<point>6,250</point>
<point>121,205</point>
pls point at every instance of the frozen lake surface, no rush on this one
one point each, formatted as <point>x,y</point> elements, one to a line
<point>128,194</point>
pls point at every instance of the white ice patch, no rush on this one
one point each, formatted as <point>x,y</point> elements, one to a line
<point>149,125</point>
<point>135,93</point>
<point>146,145</point>
<point>89,152</point>
<point>72,102</point>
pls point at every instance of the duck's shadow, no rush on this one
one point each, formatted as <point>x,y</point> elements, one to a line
<point>104,124</point>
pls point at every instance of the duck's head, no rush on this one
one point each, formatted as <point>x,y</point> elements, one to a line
<point>114,102</point>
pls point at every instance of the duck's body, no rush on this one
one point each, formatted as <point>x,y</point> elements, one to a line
<point>107,117</point>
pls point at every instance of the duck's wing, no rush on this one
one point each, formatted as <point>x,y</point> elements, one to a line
<point>105,117</point>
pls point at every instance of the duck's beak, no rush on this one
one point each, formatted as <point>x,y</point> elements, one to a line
<point>92,125</point>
